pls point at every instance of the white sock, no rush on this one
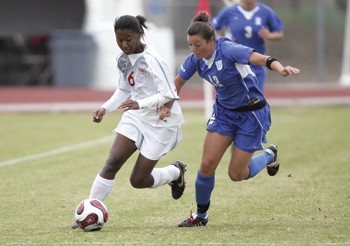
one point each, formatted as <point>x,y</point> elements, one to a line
<point>164,175</point>
<point>101,188</point>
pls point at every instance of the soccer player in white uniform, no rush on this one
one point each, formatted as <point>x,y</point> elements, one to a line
<point>145,86</point>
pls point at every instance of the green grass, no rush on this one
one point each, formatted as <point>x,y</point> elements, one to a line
<point>307,203</point>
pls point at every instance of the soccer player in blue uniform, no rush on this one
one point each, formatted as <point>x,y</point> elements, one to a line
<point>241,115</point>
<point>250,23</point>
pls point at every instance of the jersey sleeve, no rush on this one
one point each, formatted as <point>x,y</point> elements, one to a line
<point>274,23</point>
<point>221,19</point>
<point>237,53</point>
<point>119,96</point>
<point>188,67</point>
<point>165,85</point>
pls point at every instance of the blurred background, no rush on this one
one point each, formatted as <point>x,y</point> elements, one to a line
<point>66,43</point>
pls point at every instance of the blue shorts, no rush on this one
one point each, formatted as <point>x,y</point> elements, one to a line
<point>248,129</point>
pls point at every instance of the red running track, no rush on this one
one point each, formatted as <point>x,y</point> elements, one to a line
<point>20,96</point>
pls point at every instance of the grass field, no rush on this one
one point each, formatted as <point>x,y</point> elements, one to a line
<point>47,165</point>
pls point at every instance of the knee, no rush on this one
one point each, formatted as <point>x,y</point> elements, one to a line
<point>136,182</point>
<point>236,176</point>
<point>207,168</point>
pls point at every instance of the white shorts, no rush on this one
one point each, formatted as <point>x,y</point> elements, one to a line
<point>153,142</point>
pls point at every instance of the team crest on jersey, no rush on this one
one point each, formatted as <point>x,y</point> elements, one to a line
<point>218,65</point>
<point>258,21</point>
<point>142,71</point>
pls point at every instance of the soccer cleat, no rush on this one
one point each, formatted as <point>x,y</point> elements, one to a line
<point>178,186</point>
<point>75,225</point>
<point>274,166</point>
<point>194,220</point>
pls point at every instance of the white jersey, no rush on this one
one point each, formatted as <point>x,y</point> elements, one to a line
<point>145,78</point>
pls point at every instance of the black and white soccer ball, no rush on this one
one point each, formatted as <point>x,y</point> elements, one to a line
<point>91,215</point>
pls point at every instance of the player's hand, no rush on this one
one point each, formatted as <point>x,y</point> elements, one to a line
<point>164,111</point>
<point>264,33</point>
<point>97,115</point>
<point>288,70</point>
<point>129,104</point>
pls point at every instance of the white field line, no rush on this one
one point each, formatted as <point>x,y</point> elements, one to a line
<point>57,151</point>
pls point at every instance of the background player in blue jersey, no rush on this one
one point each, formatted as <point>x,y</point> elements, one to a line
<point>250,23</point>
<point>241,115</point>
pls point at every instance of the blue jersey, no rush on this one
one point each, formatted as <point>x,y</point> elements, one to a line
<point>228,71</point>
<point>244,26</point>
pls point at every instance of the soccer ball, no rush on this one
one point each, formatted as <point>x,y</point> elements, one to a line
<point>91,215</point>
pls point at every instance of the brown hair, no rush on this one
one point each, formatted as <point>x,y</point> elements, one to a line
<point>201,26</point>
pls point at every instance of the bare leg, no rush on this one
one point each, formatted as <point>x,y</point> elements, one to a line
<point>121,150</point>
<point>141,174</point>
<point>215,146</point>
<point>238,169</point>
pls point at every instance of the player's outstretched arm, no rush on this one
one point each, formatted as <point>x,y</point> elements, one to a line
<point>273,64</point>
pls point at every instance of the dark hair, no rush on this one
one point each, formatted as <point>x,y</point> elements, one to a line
<point>201,26</point>
<point>136,24</point>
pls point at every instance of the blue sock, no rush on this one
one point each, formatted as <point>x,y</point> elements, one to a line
<point>204,187</point>
<point>258,163</point>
